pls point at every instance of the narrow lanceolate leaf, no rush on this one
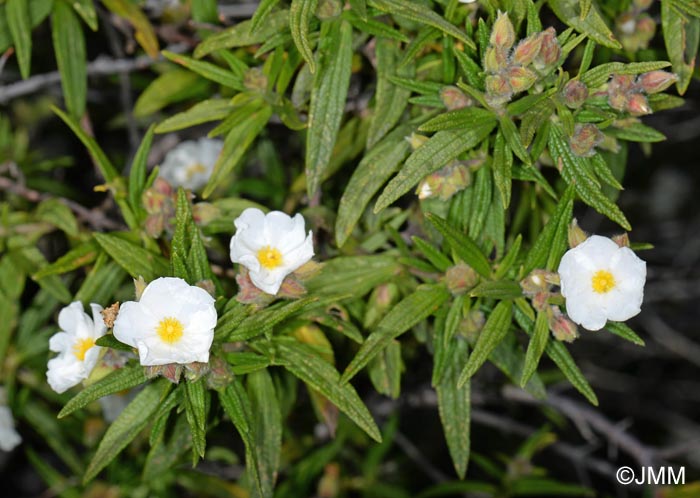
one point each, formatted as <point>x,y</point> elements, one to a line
<point>267,420</point>
<point>591,24</point>
<point>236,144</point>
<point>20,25</point>
<point>512,137</point>
<point>304,362</point>
<point>127,426</point>
<point>180,243</point>
<point>300,14</point>
<point>622,330</point>
<point>390,100</point>
<point>681,33</point>
<point>423,14</point>
<point>86,10</point>
<point>145,34</point>
<point>538,342</point>
<point>459,118</point>
<point>433,155</point>
<point>578,171</point>
<point>464,247</point>
<point>502,167</point>
<point>136,260</point>
<point>353,275</point>
<point>261,13</point>
<point>600,74</point>
<point>137,173</point>
<point>69,46</point>
<point>118,380</point>
<point>172,86</point>
<point>373,171</point>
<point>402,317</point>
<point>328,96</point>
<point>236,404</point>
<point>243,34</point>
<point>454,405</point>
<point>385,370</point>
<point>77,257</point>
<point>202,112</point>
<point>196,413</point>
<point>497,289</point>
<point>492,334</point>
<point>207,69</point>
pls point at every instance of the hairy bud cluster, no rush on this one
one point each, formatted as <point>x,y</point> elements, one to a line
<point>627,92</point>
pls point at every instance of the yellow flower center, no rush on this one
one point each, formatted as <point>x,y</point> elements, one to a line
<point>603,281</point>
<point>81,348</point>
<point>269,257</point>
<point>170,330</point>
<point>194,169</point>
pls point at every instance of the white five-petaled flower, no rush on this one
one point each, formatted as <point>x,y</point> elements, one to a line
<point>173,322</point>
<point>271,246</point>
<point>9,437</point>
<point>190,164</point>
<point>601,281</point>
<point>75,344</point>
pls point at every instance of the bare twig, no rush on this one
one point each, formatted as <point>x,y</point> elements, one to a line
<point>416,455</point>
<point>99,67</point>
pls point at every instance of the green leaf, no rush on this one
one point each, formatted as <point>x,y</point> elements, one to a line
<point>127,426</point>
<point>202,112</point>
<point>454,406</point>
<point>510,258</point>
<point>244,34</point>
<point>538,342</point>
<point>374,170</point>
<point>599,75</point>
<point>196,413</point>
<point>591,24</point>
<point>622,330</point>
<point>463,246</point>
<point>55,212</point>
<point>498,289</point>
<point>328,97</point>
<point>144,32</point>
<point>432,254</point>
<point>423,14</point>
<point>512,136</point>
<point>19,23</point>
<point>636,132</point>
<point>681,38</point>
<point>137,174</point>
<point>136,260</point>
<point>262,13</point>
<point>101,282</point>
<point>373,27</point>
<point>97,154</point>
<point>300,15</point>
<point>304,362</point>
<point>86,10</point>
<point>77,257</point>
<point>405,315</point>
<point>69,46</point>
<point>353,275</point>
<point>502,167</point>
<point>119,380</point>
<point>170,87</point>
<point>267,430</point>
<point>439,150</point>
<point>109,341</point>
<point>491,335</point>
<point>359,6</point>
<point>460,118</point>
<point>236,144</point>
<point>206,69</point>
<point>482,194</point>
<point>385,370</point>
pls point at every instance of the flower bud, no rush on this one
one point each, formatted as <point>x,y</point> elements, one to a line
<point>220,374</point>
<point>470,327</point>
<point>646,28</point>
<point>656,81</point>
<point>503,33</point>
<point>497,85</point>
<point>585,138</point>
<point>204,213</point>
<point>538,281</point>
<point>109,314</point>
<point>527,50</point>
<point>622,240</point>
<point>550,51</point>
<point>521,78</point>
<point>561,326</point>
<point>454,98</point>
<point>460,278</point>
<point>445,182</point>
<point>495,59</point>
<point>642,4</point>
<point>575,94</point>
<point>328,9</point>
<point>575,234</point>
<point>638,105</point>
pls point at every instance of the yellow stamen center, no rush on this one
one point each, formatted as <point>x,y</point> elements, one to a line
<point>603,281</point>
<point>195,169</point>
<point>170,330</point>
<point>81,348</point>
<point>269,257</point>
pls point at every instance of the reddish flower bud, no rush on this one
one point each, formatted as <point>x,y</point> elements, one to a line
<point>503,33</point>
<point>638,105</point>
<point>561,326</point>
<point>642,4</point>
<point>575,94</point>
<point>619,88</point>
<point>454,98</point>
<point>495,59</point>
<point>575,234</point>
<point>656,81</point>
<point>497,86</point>
<point>461,278</point>
<point>585,138</point>
<point>538,282</point>
<point>646,27</point>
<point>527,50</point>
<point>622,240</point>
<point>550,51</point>
<point>521,78</point>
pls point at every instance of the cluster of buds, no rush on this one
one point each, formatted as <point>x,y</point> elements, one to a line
<point>461,278</point>
<point>635,28</point>
<point>511,70</point>
<point>445,182</point>
<point>539,286</point>
<point>627,92</point>
<point>585,139</point>
<point>575,93</point>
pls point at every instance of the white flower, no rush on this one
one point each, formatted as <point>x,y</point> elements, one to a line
<point>271,246</point>
<point>9,437</point>
<point>173,322</point>
<point>75,344</point>
<point>190,164</point>
<point>601,281</point>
